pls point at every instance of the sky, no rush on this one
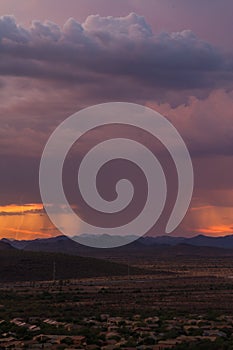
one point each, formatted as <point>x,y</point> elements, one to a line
<point>57,57</point>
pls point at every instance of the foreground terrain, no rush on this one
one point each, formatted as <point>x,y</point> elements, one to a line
<point>180,302</point>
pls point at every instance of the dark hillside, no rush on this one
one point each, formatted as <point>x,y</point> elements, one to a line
<point>18,265</point>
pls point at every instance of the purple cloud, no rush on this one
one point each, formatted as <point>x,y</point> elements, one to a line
<point>106,47</point>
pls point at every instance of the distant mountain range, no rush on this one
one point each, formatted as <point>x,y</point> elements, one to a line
<point>67,245</point>
<point>104,240</point>
<point>225,242</point>
<point>200,240</point>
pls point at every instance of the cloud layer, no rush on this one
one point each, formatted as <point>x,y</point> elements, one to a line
<point>48,72</point>
<point>108,46</point>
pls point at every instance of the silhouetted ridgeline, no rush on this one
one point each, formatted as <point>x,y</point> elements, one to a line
<point>18,265</point>
<point>35,259</point>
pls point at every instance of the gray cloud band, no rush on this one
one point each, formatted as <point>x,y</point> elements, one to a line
<point>177,60</point>
<point>68,132</point>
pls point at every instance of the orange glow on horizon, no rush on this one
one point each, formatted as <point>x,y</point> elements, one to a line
<point>25,221</point>
<point>19,209</point>
<point>27,234</point>
<point>29,221</point>
<point>210,220</point>
<point>216,230</point>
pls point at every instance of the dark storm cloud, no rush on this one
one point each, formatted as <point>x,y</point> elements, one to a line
<point>109,47</point>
